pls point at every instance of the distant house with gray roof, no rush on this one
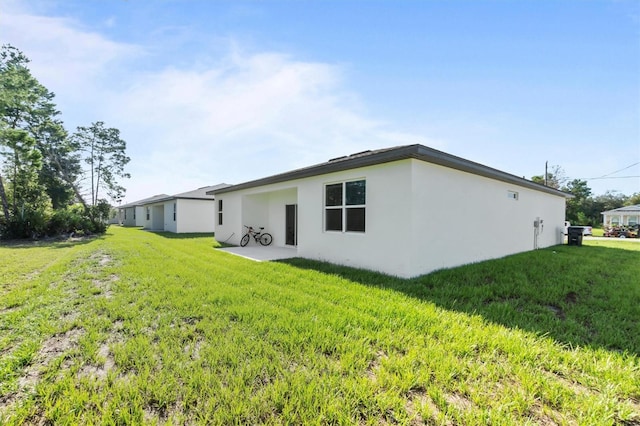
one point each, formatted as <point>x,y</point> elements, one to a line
<point>191,211</point>
<point>132,214</point>
<point>623,216</point>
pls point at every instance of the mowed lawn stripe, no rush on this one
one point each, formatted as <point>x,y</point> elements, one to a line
<point>168,330</point>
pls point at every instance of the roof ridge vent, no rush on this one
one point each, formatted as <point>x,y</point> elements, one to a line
<point>360,153</point>
<point>337,158</point>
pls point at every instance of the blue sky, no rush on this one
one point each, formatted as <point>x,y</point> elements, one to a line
<point>227,91</point>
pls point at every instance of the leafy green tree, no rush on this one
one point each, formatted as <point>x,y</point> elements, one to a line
<point>104,154</point>
<point>584,208</point>
<point>41,167</point>
<point>556,177</point>
<point>61,164</point>
<point>608,201</point>
<point>633,200</point>
<point>29,205</point>
<point>576,206</point>
<point>24,103</point>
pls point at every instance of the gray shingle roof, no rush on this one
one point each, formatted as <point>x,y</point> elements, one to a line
<point>200,193</point>
<point>380,156</point>
<point>625,209</point>
<point>144,201</point>
<point>196,194</point>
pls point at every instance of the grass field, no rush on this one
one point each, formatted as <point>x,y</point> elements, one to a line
<point>143,328</point>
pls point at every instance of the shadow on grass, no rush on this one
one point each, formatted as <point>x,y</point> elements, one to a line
<point>185,236</point>
<point>579,296</point>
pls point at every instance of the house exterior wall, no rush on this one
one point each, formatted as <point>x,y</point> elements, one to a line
<point>462,218</point>
<point>387,228</point>
<point>156,217</point>
<point>135,216</point>
<point>255,211</point>
<point>139,220</point>
<point>192,215</point>
<point>229,231</point>
<point>126,216</point>
<point>146,216</point>
<point>383,246</point>
<point>169,224</point>
<point>419,217</point>
<point>277,213</point>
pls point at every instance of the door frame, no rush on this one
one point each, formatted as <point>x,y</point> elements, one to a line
<point>287,218</point>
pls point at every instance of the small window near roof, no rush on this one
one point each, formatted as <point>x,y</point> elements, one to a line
<point>512,194</point>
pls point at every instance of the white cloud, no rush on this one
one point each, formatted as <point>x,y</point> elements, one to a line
<point>246,116</point>
<point>251,116</point>
<point>66,57</point>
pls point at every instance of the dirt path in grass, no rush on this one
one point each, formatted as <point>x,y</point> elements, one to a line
<point>55,353</point>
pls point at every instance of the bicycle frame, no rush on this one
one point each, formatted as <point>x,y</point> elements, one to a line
<point>253,233</point>
<point>259,236</point>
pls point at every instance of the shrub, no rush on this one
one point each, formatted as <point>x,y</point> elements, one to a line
<point>70,219</point>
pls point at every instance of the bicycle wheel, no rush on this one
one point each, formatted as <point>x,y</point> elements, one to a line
<point>245,240</point>
<point>265,239</point>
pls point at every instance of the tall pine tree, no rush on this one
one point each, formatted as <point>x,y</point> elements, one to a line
<point>24,104</point>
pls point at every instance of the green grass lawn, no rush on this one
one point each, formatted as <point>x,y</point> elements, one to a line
<point>144,328</point>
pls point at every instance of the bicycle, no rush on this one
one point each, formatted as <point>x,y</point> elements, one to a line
<point>264,238</point>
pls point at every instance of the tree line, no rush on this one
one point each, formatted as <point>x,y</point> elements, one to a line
<point>584,208</point>
<point>51,182</point>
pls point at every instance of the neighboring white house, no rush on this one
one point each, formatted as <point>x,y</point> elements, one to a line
<point>132,214</point>
<point>191,211</point>
<point>404,211</point>
<point>623,216</point>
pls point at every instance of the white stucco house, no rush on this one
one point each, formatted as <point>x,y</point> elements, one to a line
<point>191,211</point>
<point>623,216</point>
<point>404,211</point>
<point>132,214</point>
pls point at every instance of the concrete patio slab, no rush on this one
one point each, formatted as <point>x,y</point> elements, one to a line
<point>261,254</point>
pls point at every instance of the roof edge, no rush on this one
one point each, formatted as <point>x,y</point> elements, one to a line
<point>176,197</point>
<point>632,209</point>
<point>416,151</point>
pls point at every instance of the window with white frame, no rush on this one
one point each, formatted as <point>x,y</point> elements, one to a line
<point>148,213</point>
<point>219,212</point>
<point>134,213</point>
<point>345,206</point>
<point>174,211</point>
<point>125,214</point>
